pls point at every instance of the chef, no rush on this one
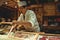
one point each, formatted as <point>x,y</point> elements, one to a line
<point>27,20</point>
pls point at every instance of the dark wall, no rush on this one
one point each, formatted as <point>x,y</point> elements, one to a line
<point>7,12</point>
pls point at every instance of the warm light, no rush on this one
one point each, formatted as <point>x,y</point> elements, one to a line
<point>6,3</point>
<point>15,6</point>
<point>18,0</point>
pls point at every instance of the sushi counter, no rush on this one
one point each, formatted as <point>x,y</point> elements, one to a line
<point>30,36</point>
<point>6,34</point>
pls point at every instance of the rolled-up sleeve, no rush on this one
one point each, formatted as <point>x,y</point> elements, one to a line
<point>33,21</point>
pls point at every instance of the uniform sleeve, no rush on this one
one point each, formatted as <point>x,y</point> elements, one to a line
<point>20,18</point>
<point>33,21</point>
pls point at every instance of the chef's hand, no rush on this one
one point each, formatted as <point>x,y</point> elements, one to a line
<point>17,22</point>
<point>26,25</point>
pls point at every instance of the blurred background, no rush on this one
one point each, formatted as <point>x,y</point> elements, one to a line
<point>47,12</point>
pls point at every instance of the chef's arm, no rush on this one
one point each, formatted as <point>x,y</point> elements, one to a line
<point>27,26</point>
<point>32,22</point>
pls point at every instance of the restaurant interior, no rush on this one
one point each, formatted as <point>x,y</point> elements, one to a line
<point>47,13</point>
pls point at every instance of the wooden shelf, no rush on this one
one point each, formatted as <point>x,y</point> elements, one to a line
<point>52,27</point>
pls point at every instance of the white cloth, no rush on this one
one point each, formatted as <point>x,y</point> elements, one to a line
<point>30,17</point>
